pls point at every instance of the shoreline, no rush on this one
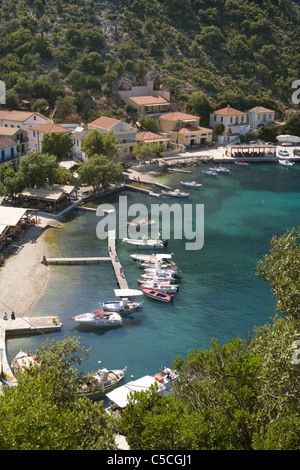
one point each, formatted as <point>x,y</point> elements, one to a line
<point>23,277</point>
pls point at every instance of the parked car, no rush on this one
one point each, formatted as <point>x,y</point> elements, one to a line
<point>297,152</point>
<point>284,153</point>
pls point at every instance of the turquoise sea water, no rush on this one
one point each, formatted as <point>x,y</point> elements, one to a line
<point>220,295</point>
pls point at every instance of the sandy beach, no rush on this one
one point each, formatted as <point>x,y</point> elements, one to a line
<point>23,277</point>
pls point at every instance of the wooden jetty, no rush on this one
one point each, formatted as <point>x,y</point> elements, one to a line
<point>22,326</point>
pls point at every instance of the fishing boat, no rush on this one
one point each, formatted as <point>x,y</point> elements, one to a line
<point>125,304</point>
<point>157,295</point>
<point>220,169</point>
<point>140,258</point>
<point>101,381</point>
<point>99,318</point>
<point>146,242</point>
<point>141,222</point>
<point>163,380</point>
<point>285,163</point>
<point>209,172</point>
<point>162,286</point>
<point>191,184</point>
<point>241,163</point>
<point>175,193</point>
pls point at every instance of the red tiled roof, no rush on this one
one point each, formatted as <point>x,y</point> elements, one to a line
<point>6,142</point>
<point>148,100</point>
<point>228,111</point>
<point>49,128</point>
<point>192,130</point>
<point>178,116</point>
<point>104,122</point>
<point>149,137</point>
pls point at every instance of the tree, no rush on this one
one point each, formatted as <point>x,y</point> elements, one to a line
<point>58,144</point>
<point>148,123</point>
<point>99,171</point>
<point>268,133</point>
<point>97,143</point>
<point>292,125</point>
<point>281,268</point>
<point>37,168</point>
<point>200,105</point>
<point>147,150</point>
<point>43,413</point>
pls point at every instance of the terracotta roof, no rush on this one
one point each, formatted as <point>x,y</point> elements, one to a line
<point>177,116</point>
<point>3,113</point>
<point>21,116</point>
<point>148,100</point>
<point>6,142</point>
<point>149,137</point>
<point>191,130</point>
<point>104,122</point>
<point>260,109</point>
<point>9,130</point>
<point>49,128</point>
<point>228,111</point>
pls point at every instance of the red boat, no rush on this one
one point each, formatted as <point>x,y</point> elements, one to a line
<point>157,295</point>
<point>242,163</point>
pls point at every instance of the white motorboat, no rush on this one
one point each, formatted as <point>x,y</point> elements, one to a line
<point>169,268</point>
<point>159,276</point>
<point>162,286</point>
<point>220,169</point>
<point>101,381</point>
<point>126,303</point>
<point>209,172</point>
<point>146,242</point>
<point>141,222</point>
<point>151,258</point>
<point>99,318</point>
<point>23,360</point>
<point>175,193</point>
<point>285,163</point>
<point>153,194</point>
<point>191,184</point>
<point>164,381</point>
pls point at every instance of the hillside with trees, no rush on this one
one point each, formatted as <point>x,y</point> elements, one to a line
<point>70,58</point>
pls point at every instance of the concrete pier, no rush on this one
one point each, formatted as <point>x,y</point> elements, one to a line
<point>120,276</point>
<point>19,327</point>
<point>58,261</point>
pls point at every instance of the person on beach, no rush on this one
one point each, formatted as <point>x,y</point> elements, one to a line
<point>5,317</point>
<point>12,316</point>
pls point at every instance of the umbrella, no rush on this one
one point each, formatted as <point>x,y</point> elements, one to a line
<point>288,138</point>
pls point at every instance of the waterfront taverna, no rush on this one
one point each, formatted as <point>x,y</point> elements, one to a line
<point>48,199</point>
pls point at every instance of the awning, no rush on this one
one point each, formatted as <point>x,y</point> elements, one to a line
<point>120,395</point>
<point>127,292</point>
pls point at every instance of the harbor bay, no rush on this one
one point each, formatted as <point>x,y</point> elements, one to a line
<point>220,295</point>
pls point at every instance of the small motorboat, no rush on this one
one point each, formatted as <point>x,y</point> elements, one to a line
<point>157,295</point>
<point>191,184</point>
<point>285,163</point>
<point>99,318</point>
<point>126,302</point>
<point>141,222</point>
<point>146,242</point>
<point>220,169</point>
<point>162,286</point>
<point>153,194</point>
<point>23,360</point>
<point>241,163</point>
<point>175,193</point>
<point>101,381</point>
<point>140,258</point>
<point>209,172</point>
<point>166,276</point>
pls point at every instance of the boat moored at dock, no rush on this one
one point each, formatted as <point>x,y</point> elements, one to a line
<point>99,318</point>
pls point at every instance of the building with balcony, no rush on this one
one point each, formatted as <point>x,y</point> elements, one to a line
<point>260,115</point>
<point>235,122</point>
<point>124,132</point>
<point>8,151</point>
<point>19,136</point>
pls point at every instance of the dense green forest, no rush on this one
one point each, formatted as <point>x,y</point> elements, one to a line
<point>72,56</point>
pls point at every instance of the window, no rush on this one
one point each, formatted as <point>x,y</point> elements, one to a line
<point>34,118</point>
<point>33,133</point>
<point>215,118</point>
